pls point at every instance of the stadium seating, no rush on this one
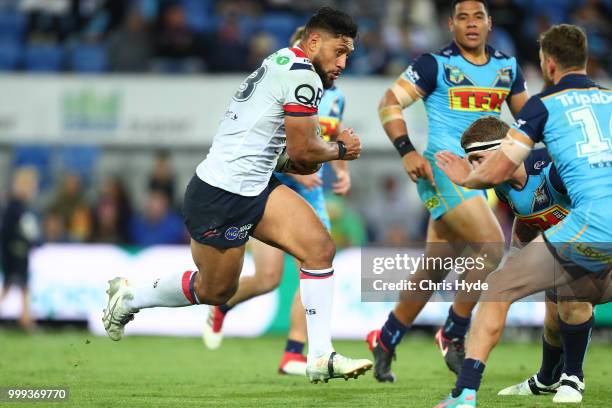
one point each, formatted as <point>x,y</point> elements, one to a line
<point>38,156</point>
<point>80,160</point>
<point>200,14</point>
<point>88,58</point>
<point>10,55</point>
<point>43,58</point>
<point>12,26</point>
<point>278,25</point>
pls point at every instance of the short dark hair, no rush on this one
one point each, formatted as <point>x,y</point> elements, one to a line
<point>567,44</point>
<point>487,129</point>
<point>333,21</point>
<point>455,2</point>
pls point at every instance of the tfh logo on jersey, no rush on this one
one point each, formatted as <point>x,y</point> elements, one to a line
<point>476,99</point>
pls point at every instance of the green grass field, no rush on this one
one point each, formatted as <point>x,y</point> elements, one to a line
<point>179,372</point>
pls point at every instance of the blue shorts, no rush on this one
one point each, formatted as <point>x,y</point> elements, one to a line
<point>445,195</point>
<point>583,240</point>
<point>219,218</point>
<point>314,197</point>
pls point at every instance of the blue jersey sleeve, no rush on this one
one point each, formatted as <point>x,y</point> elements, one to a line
<point>555,180</point>
<point>423,73</point>
<point>519,84</point>
<point>532,119</point>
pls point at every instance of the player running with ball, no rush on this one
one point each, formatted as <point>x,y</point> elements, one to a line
<point>269,261</point>
<point>234,194</point>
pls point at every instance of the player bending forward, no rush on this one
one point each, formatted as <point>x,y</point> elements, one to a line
<point>539,201</point>
<point>234,194</point>
<point>572,117</point>
<point>459,84</point>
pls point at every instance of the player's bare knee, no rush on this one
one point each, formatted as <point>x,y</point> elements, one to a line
<point>216,295</point>
<point>575,312</point>
<point>270,279</point>
<point>492,256</point>
<point>495,326</point>
<point>321,254</point>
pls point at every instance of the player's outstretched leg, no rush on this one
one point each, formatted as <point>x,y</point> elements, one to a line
<point>470,222</point>
<point>214,283</point>
<point>382,342</point>
<point>268,272</point>
<point>477,232</point>
<point>514,281</point>
<point>291,224</point>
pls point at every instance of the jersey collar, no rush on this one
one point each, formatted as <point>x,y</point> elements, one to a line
<point>298,52</point>
<point>577,80</point>
<point>455,50</point>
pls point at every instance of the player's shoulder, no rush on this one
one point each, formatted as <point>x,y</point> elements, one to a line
<point>498,55</point>
<point>537,161</point>
<point>570,82</point>
<point>448,51</point>
<point>290,59</point>
<point>293,65</point>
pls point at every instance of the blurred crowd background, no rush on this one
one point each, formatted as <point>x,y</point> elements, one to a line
<point>192,36</point>
<point>78,202</point>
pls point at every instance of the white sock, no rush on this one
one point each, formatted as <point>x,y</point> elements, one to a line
<point>173,290</point>
<point>317,291</point>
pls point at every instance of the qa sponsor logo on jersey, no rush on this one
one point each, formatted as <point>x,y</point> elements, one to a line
<point>233,233</point>
<point>307,95</point>
<point>476,99</point>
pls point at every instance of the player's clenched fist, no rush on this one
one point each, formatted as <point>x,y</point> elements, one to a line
<point>418,167</point>
<point>350,143</point>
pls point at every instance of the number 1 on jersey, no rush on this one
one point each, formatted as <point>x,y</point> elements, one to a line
<point>594,140</point>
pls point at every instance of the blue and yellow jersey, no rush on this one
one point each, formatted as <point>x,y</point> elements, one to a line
<point>573,119</point>
<point>331,110</point>
<point>543,200</point>
<point>458,92</point>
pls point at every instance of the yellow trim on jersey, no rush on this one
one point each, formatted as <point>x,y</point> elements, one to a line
<point>578,235</point>
<point>438,194</point>
<point>458,192</point>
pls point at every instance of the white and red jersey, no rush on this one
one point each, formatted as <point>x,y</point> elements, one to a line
<point>251,134</point>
